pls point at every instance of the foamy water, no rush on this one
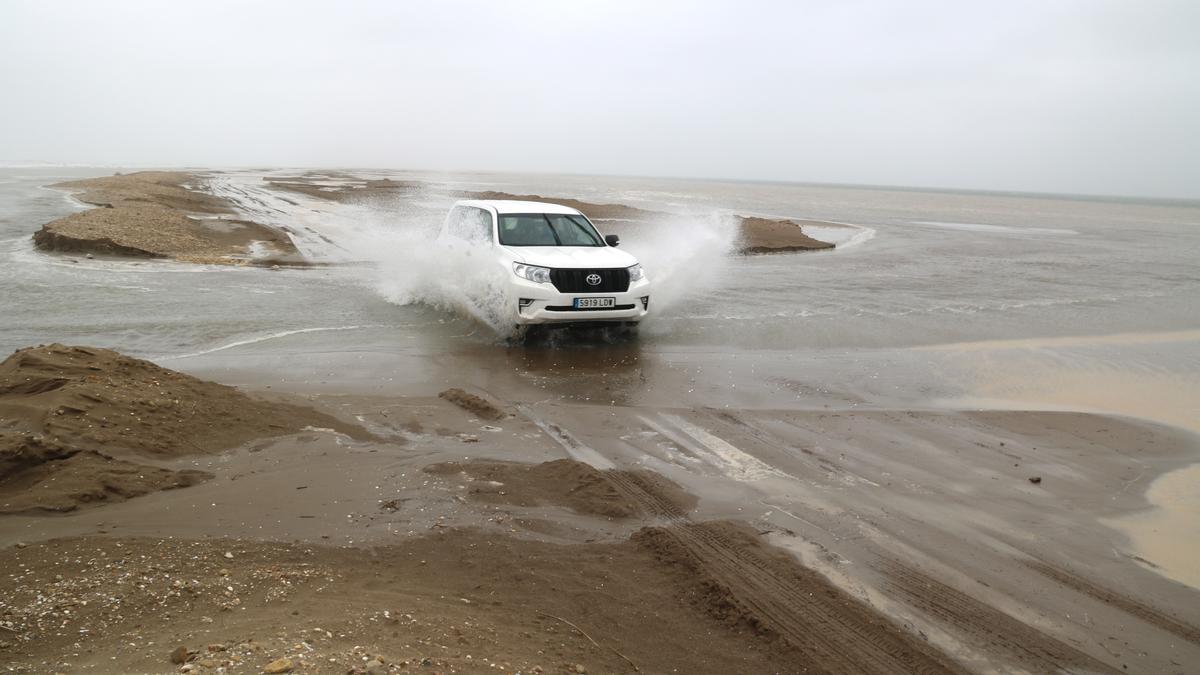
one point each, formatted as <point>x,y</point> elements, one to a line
<point>999,229</point>
<point>844,235</point>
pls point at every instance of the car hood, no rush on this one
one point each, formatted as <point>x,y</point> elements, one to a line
<point>571,256</point>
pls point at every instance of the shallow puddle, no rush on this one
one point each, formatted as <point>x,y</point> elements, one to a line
<point>1168,535</point>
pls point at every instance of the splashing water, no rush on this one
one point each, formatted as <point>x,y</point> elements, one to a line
<point>463,280</point>
<point>395,245</point>
<point>683,255</point>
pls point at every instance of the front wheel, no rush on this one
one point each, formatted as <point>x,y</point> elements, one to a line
<point>519,334</point>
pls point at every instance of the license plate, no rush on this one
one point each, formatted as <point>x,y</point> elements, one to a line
<point>595,303</point>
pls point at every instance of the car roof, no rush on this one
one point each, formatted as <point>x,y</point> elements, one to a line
<point>515,206</point>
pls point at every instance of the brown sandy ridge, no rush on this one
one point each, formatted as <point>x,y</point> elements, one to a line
<point>153,214</point>
<point>350,189</point>
<point>78,425</point>
<point>472,403</point>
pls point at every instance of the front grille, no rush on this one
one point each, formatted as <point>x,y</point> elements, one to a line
<point>569,308</point>
<point>575,280</point>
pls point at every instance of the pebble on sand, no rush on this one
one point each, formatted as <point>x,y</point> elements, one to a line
<point>180,654</point>
<point>283,665</point>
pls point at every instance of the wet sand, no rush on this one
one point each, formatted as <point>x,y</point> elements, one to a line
<point>79,425</point>
<point>476,520</point>
<point>557,533</point>
<point>1078,373</point>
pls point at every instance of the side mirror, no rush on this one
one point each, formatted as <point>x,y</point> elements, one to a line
<point>612,240</point>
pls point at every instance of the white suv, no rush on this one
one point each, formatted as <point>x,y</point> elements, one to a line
<point>557,267</point>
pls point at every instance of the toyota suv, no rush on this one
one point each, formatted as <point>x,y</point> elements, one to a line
<point>556,265</point>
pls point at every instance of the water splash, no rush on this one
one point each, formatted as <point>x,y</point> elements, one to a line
<point>683,255</point>
<point>394,244</point>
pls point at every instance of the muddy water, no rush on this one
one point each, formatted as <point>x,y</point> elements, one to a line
<point>1166,534</point>
<point>937,268</point>
<point>1046,282</point>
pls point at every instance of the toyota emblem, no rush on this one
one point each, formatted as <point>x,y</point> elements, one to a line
<point>593,279</point>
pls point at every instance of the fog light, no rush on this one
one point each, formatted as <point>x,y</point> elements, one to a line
<point>522,303</point>
<point>645,302</point>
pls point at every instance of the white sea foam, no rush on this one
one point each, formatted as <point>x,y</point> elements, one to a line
<point>258,339</point>
<point>1005,229</point>
<point>843,236</point>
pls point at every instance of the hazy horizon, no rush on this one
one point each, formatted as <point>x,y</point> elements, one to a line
<point>1082,98</point>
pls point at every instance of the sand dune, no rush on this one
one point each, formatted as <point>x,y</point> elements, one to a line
<point>159,215</point>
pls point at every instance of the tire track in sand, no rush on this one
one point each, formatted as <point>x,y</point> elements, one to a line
<point>747,581</point>
<point>995,632</point>
<point>772,592</point>
<point>1127,604</point>
<point>1019,644</point>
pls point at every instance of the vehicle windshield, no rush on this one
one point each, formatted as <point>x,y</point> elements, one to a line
<point>547,229</point>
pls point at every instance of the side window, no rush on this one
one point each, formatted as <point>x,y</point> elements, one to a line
<point>454,222</point>
<point>482,226</point>
<point>470,224</point>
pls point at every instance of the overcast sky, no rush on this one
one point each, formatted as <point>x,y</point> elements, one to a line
<point>1081,96</point>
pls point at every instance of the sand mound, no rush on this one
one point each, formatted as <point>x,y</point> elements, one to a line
<point>343,187</point>
<point>57,402</point>
<point>472,403</point>
<point>99,399</point>
<point>86,478</point>
<point>167,188</point>
<point>762,235</point>
<point>563,482</point>
<point>150,214</point>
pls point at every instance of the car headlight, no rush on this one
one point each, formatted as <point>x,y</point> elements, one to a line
<point>636,272</point>
<point>533,273</point>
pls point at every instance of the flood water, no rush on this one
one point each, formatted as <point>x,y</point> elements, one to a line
<point>927,268</point>
<point>917,270</point>
<point>935,299</point>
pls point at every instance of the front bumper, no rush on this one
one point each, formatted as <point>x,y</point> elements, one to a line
<point>543,303</point>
